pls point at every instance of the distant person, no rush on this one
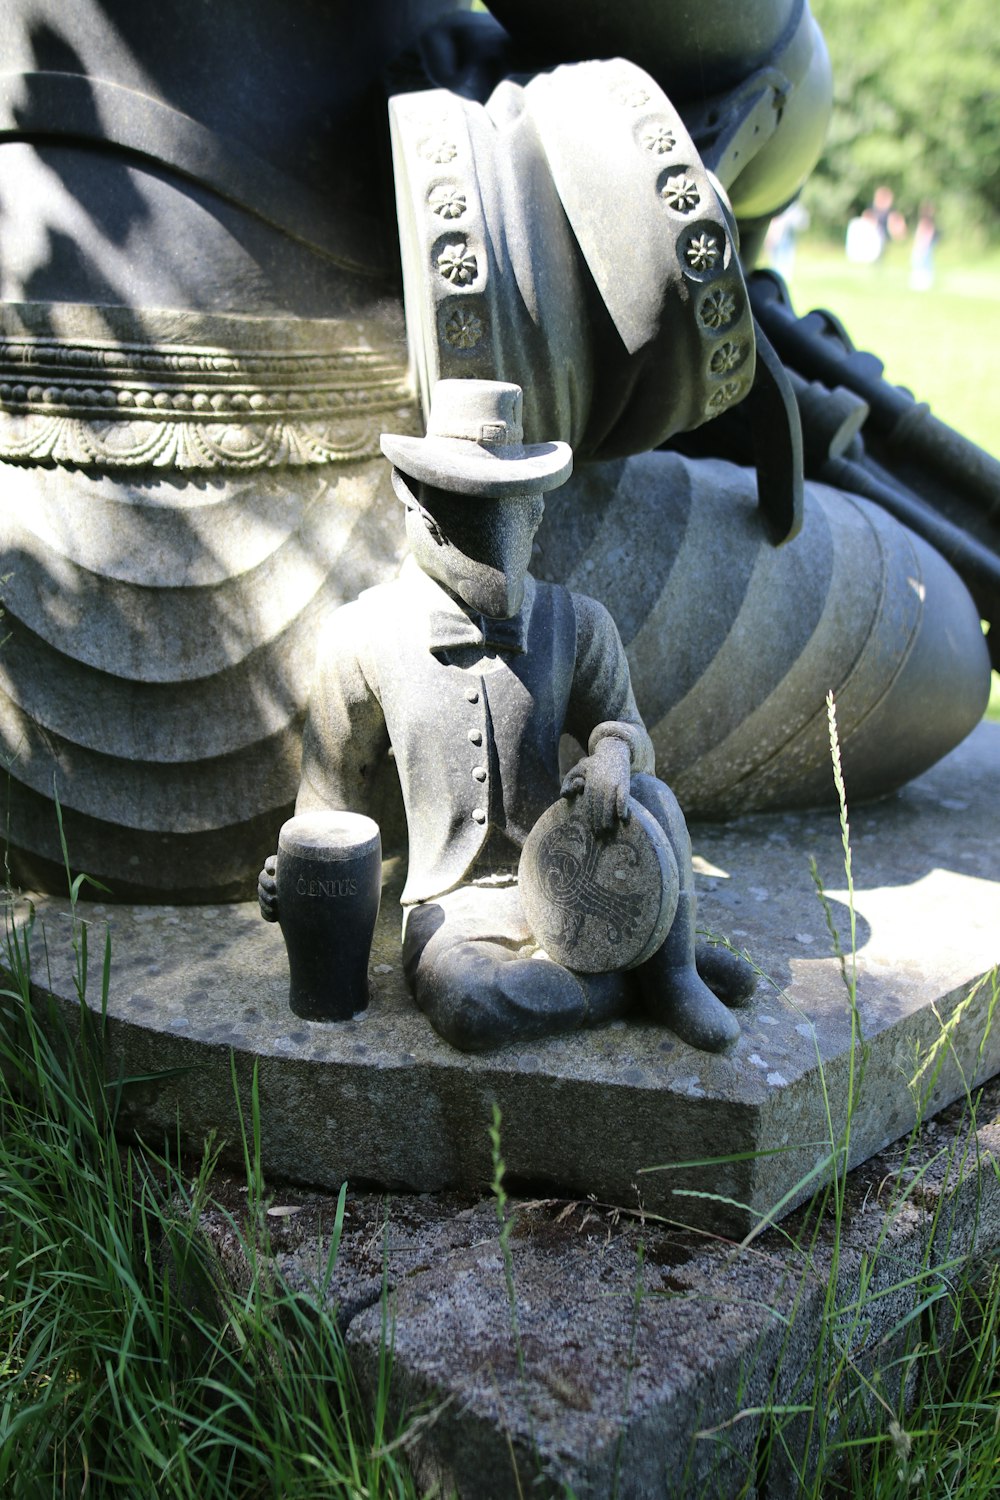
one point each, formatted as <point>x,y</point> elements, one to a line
<point>890,222</point>
<point>865,241</point>
<point>782,232</point>
<point>922,253</point>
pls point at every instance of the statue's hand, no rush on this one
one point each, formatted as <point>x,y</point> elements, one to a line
<point>604,779</point>
<point>267,889</point>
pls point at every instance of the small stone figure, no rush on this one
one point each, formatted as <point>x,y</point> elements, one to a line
<point>471,670</point>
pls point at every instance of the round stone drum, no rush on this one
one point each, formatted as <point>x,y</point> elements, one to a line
<point>329,884</point>
<point>598,902</point>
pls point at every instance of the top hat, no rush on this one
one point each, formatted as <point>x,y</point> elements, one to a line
<point>475,444</point>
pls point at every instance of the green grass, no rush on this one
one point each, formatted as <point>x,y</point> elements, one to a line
<point>942,344</point>
<point>900,1397</point>
<point>891,1386</point>
<point>914,1425</point>
<point>128,1366</point>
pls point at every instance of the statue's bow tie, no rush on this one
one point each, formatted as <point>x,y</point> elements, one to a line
<point>451,629</point>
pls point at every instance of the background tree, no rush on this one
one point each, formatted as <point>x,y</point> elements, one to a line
<point>917,107</point>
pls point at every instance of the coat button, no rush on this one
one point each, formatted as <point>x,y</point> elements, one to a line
<point>475,736</point>
<point>471,695</point>
<point>479,773</point>
<point>479,815</point>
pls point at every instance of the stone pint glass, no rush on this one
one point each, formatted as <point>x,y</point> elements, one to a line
<point>329,884</point>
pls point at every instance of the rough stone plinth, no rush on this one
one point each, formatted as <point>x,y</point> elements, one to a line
<point>656,1361</point>
<point>381,1100</point>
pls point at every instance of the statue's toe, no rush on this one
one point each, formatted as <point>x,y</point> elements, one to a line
<point>727,974</point>
<point>686,1004</point>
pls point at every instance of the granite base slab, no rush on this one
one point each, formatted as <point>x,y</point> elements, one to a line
<point>654,1361</point>
<point>627,1112</point>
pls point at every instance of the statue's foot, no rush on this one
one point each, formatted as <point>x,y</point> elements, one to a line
<point>683,1001</point>
<point>727,974</point>
<point>478,997</point>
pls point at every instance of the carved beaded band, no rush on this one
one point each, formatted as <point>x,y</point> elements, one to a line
<point>109,388</point>
<point>704,251</point>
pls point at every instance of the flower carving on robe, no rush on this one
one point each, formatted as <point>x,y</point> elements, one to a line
<point>438,149</point>
<point>458,264</point>
<point>632,95</point>
<point>718,309</point>
<point>726,357</point>
<point>448,202</point>
<point>680,193</point>
<point>725,395</point>
<point>658,140</point>
<point>703,252</point>
<point>463,329</point>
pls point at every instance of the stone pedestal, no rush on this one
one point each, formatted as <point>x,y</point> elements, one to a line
<point>656,1361</point>
<point>615,1112</point>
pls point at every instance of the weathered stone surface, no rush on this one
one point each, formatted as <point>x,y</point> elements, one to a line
<point>202,335</point>
<point>200,342</point>
<point>665,1358</point>
<point>380,1099</point>
<point>510,238</point>
<point>598,903</point>
<point>161,638</point>
<point>733,644</point>
<point>469,673</point>
<point>641,1349</point>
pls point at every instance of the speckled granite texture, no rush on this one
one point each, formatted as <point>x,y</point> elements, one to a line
<point>381,1100</point>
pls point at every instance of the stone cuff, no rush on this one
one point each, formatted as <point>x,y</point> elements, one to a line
<point>640,746</point>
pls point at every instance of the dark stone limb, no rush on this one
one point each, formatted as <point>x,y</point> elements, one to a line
<point>673,990</point>
<point>479,991</point>
<point>657,798</point>
<point>674,994</point>
<point>727,974</point>
<point>479,996</point>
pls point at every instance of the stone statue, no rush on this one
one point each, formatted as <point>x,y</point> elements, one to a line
<point>202,336</point>
<point>471,671</point>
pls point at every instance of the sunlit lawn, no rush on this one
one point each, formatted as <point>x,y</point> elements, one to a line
<point>942,344</point>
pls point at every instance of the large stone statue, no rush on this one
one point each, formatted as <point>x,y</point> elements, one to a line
<point>471,672</point>
<point>202,335</point>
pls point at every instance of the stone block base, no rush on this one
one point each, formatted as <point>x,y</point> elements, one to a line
<point>625,1113</point>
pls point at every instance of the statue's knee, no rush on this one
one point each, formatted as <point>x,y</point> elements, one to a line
<point>658,800</point>
<point>655,796</point>
<point>466,1023</point>
<point>460,996</point>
